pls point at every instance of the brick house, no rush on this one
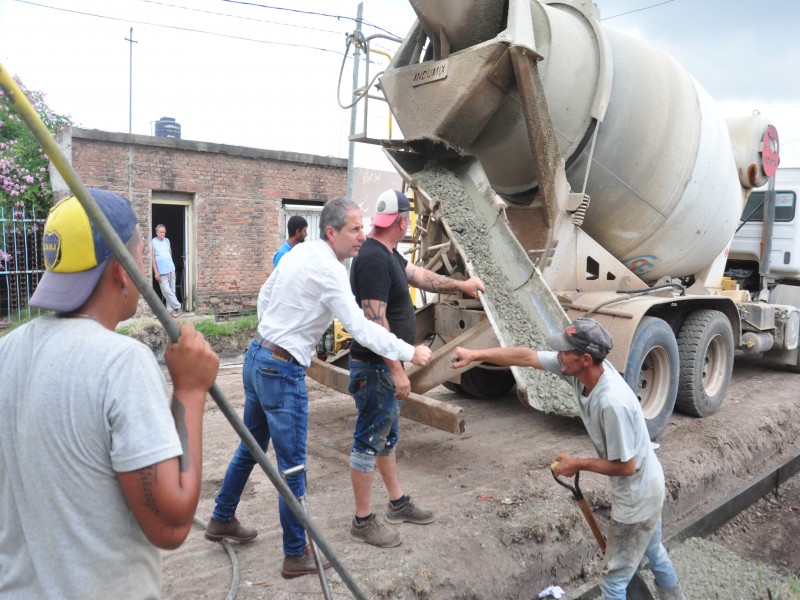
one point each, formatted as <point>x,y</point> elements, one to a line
<point>224,207</point>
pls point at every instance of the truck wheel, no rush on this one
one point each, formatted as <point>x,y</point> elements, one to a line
<point>652,372</point>
<point>706,348</point>
<point>487,384</point>
<point>453,387</point>
<point>795,366</point>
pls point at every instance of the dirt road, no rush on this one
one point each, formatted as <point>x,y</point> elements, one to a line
<point>504,529</point>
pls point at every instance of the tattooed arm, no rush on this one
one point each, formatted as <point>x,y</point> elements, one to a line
<point>375,311</point>
<point>163,496</point>
<point>434,282</point>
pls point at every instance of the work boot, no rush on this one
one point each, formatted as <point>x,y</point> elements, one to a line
<point>229,530</point>
<point>408,512</point>
<point>297,566</point>
<point>671,593</point>
<point>373,532</point>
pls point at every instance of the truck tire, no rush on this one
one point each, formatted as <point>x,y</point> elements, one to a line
<point>795,366</point>
<point>652,372</point>
<point>705,341</point>
<point>487,384</point>
<point>453,387</point>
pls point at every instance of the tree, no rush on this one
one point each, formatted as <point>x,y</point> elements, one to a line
<point>24,175</point>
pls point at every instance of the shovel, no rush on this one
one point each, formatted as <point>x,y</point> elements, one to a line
<point>637,589</point>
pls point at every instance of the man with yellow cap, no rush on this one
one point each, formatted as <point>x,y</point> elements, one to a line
<point>98,471</point>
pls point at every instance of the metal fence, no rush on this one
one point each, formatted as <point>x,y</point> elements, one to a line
<point>21,262</point>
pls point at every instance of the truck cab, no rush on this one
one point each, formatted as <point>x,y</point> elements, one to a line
<point>764,259</point>
<point>749,242</point>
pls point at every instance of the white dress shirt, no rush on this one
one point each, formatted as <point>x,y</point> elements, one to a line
<point>302,295</point>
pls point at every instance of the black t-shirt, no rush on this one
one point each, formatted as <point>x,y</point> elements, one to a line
<point>380,274</point>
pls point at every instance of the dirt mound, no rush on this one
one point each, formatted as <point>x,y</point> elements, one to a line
<point>149,331</point>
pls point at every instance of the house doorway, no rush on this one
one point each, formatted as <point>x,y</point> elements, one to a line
<point>174,211</point>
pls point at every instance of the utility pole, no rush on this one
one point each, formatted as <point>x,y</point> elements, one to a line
<point>130,83</point>
<point>354,110</point>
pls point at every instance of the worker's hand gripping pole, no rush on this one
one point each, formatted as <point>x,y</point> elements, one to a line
<point>31,118</point>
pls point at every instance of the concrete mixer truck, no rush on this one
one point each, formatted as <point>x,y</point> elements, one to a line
<point>580,172</point>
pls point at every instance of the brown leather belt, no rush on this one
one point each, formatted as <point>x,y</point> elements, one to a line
<point>277,351</point>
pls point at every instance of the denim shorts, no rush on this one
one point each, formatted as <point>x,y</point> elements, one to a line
<point>378,423</point>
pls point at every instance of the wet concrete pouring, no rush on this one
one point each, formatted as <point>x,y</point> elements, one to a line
<point>504,529</point>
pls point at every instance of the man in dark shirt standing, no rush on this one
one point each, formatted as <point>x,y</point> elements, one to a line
<point>380,277</point>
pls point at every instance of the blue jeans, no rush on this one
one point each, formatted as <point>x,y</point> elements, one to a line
<point>627,543</point>
<point>275,407</point>
<point>378,424</point>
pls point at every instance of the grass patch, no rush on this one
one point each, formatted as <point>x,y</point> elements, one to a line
<point>226,337</point>
<point>232,327</point>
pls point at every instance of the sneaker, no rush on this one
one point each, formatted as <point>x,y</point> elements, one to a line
<point>374,532</point>
<point>408,512</point>
<point>176,313</point>
<point>229,530</point>
<point>297,566</point>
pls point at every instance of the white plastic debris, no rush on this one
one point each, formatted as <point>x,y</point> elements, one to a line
<point>553,591</point>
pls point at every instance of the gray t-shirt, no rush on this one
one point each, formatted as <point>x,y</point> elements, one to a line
<point>615,423</point>
<point>78,404</point>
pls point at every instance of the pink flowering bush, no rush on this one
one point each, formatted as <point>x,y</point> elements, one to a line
<point>24,177</point>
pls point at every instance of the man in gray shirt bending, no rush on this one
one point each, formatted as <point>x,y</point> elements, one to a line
<point>614,420</point>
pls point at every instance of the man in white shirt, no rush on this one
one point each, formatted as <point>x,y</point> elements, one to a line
<point>164,269</point>
<point>614,420</point>
<point>297,302</point>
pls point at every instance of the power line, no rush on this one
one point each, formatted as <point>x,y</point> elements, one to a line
<point>188,29</point>
<point>210,12</point>
<point>636,10</point>
<point>308,12</point>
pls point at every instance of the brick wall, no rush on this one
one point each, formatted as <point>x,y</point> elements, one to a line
<point>236,193</point>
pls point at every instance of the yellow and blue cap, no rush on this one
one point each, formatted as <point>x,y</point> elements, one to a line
<point>75,253</point>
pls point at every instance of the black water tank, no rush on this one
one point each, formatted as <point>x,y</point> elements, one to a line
<point>167,127</point>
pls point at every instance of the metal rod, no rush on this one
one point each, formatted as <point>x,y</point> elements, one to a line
<point>98,218</point>
<point>323,579</point>
<point>351,147</point>
<point>131,42</point>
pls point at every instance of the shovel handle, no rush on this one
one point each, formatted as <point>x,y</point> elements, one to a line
<point>583,504</point>
<point>589,515</point>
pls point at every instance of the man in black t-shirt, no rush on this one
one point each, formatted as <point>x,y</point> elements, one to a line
<point>380,277</point>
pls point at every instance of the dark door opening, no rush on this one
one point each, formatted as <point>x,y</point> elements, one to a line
<point>173,217</point>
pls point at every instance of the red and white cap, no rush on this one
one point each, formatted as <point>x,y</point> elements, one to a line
<point>390,204</point>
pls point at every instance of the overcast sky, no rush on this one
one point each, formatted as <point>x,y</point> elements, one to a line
<point>247,73</point>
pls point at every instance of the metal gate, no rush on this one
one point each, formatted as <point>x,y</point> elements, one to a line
<point>21,262</point>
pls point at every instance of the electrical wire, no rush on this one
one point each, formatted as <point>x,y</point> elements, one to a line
<point>636,10</point>
<point>175,27</point>
<point>243,18</point>
<point>309,12</point>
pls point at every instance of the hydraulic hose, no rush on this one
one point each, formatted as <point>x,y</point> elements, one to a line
<point>234,561</point>
<point>628,294</point>
<point>31,118</point>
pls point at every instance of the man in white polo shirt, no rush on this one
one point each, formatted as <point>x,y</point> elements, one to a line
<point>296,303</point>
